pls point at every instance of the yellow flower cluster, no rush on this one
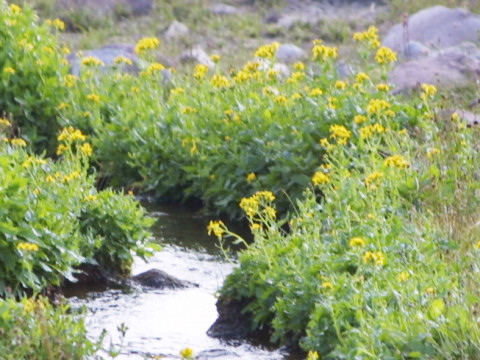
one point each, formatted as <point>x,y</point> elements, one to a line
<point>320,178</point>
<point>296,77</point>
<point>341,85</point>
<point>70,80</point>
<point>90,198</point>
<point>316,92</point>
<point>251,205</point>
<point>376,106</point>
<point>56,23</point>
<point>326,285</point>
<point>220,81</point>
<point>86,149</point>
<point>9,70</point>
<point>122,60</point>
<point>94,98</point>
<point>267,51</point>
<point>428,91</point>
<point>368,131</point>
<point>323,52</point>
<point>27,246</point>
<point>200,71</point>
<point>33,161</point>
<point>5,122</point>
<point>372,179</point>
<point>383,87</point>
<point>385,55</point>
<point>251,177</point>
<point>377,258</point>
<point>15,9</point>
<point>71,134</point>
<point>146,44</point>
<point>397,161</point>
<point>18,142</point>
<point>340,133</point>
<point>92,61</point>
<point>72,176</point>
<point>186,353</point>
<point>152,69</point>
<point>432,152</point>
<point>361,77</point>
<point>370,36</point>
<point>403,276</point>
<point>357,242</point>
<point>217,228</point>
<point>189,110</point>
<point>359,119</point>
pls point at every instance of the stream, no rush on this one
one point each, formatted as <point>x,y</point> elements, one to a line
<point>160,323</point>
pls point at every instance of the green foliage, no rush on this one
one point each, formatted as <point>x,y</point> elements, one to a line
<point>32,69</point>
<point>378,257</point>
<point>34,329</point>
<point>52,218</point>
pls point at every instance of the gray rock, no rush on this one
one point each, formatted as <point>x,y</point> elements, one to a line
<point>107,54</point>
<point>449,69</point>
<point>159,279</point>
<point>176,29</point>
<point>222,9</point>
<point>107,7</point>
<point>415,50</point>
<point>288,53</point>
<point>435,27</point>
<point>197,55</point>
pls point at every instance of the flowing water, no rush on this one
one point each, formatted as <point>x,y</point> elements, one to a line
<point>160,323</point>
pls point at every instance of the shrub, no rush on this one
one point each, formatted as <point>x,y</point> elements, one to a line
<point>34,329</point>
<point>53,218</point>
<point>33,70</point>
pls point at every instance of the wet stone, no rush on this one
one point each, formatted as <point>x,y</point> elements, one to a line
<point>159,279</point>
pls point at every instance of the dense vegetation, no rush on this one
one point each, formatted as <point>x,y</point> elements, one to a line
<point>363,206</point>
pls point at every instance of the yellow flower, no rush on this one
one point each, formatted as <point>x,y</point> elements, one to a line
<point>375,106</point>
<point>295,77</point>
<point>177,91</point>
<point>123,60</point>
<point>339,132</point>
<point>9,70</point>
<point>18,142</point>
<point>255,226</point>
<point>186,353</point>
<point>385,55</point>
<point>66,50</point>
<point>5,122</point>
<point>340,84</point>
<point>15,9</point>
<point>430,290</point>
<point>251,177</point>
<point>72,176</point>
<point>313,355</point>
<point>326,285</point>
<point>477,244</point>
<point>396,160</point>
<point>50,179</point>
<point>61,149</point>
<point>71,134</point>
<point>316,92</point>
<point>300,66</point>
<point>369,130</point>
<point>188,110</point>
<point>86,149</point>
<point>146,44</point>
<point>357,242</point>
<point>324,52</point>
<point>92,61</point>
<point>370,36</point>
<point>200,71</point>
<point>320,178</point>
<point>27,246</point>
<point>154,68</point>
<point>403,276</point>
<point>250,205</point>
<point>332,102</point>
<point>267,51</point>
<point>217,228</point>
<point>432,152</point>
<point>215,58</point>
<point>428,91</point>
<point>70,80</point>
<point>270,211</point>
<point>57,23</point>
<point>90,198</point>
<point>281,99</point>
<point>94,98</point>
<point>383,87</point>
<point>62,105</point>
<point>358,119</point>
<point>371,179</point>
<point>362,77</point>
<point>378,258</point>
<point>220,81</point>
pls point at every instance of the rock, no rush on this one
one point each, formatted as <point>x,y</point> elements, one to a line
<point>452,68</point>
<point>176,29</point>
<point>222,9</point>
<point>107,54</point>
<point>197,55</point>
<point>160,280</point>
<point>435,27</point>
<point>106,7</point>
<point>232,321</point>
<point>415,50</point>
<point>288,53</point>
